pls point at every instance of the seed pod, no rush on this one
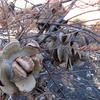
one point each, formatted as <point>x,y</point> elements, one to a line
<point>38,63</point>
<point>33,44</point>
<point>26,63</point>
<point>30,63</point>
<point>18,70</point>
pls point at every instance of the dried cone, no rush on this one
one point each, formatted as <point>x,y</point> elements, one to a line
<point>19,67</point>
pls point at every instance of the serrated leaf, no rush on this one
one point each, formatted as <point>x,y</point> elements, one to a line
<point>69,65</point>
<point>68,50</point>
<point>79,54</point>
<point>60,53</point>
<point>66,59</point>
<point>55,56</point>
